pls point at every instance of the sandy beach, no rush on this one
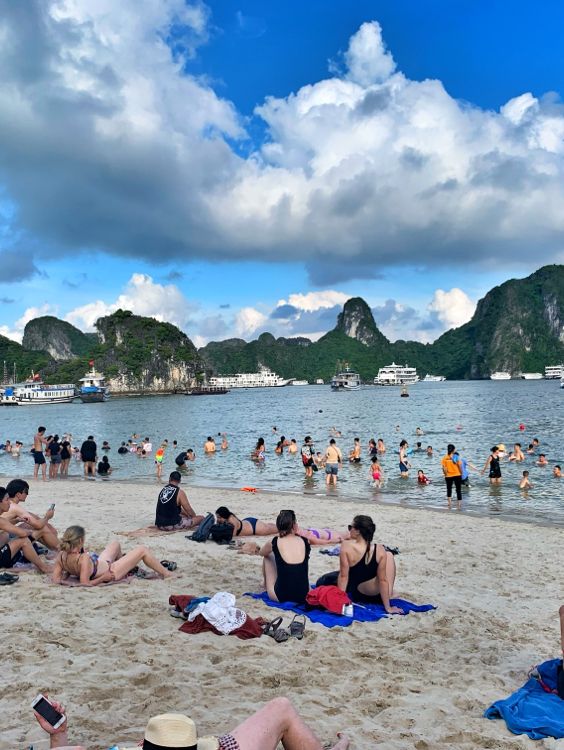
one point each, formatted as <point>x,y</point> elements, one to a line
<point>115,657</point>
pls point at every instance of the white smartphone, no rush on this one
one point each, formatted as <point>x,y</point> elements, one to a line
<point>48,711</point>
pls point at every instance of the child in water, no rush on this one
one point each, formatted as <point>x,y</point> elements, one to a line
<point>376,472</point>
<point>525,484</point>
<point>421,478</point>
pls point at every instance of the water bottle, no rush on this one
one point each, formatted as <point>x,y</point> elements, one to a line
<point>348,610</point>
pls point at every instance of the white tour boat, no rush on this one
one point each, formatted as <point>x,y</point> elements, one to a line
<point>319,381</point>
<point>433,378</point>
<point>34,391</point>
<point>500,375</point>
<point>93,388</point>
<point>554,372</point>
<point>396,375</point>
<point>531,376</point>
<point>265,378</point>
<point>299,382</point>
<point>346,380</point>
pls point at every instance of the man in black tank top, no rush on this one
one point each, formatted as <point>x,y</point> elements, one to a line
<point>173,511</point>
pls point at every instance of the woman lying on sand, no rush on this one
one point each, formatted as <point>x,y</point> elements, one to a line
<point>367,571</point>
<point>248,526</point>
<point>286,560</point>
<point>322,536</point>
<point>276,722</point>
<point>92,569</point>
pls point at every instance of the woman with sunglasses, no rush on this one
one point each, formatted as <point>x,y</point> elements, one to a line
<point>367,571</point>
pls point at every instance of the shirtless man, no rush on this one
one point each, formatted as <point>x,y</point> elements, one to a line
<point>355,454</point>
<point>39,442</point>
<point>333,460</point>
<point>209,445</point>
<point>174,512</point>
<point>525,483</point>
<point>557,472</point>
<point>17,492</point>
<point>543,460</point>
<point>19,541</point>
<point>517,454</point>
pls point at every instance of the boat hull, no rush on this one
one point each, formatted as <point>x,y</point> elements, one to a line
<point>94,398</point>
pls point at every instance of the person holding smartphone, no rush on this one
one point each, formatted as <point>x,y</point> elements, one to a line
<point>51,717</point>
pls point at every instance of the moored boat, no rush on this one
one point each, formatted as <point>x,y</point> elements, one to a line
<point>433,378</point>
<point>265,378</point>
<point>93,388</point>
<point>396,375</point>
<point>554,372</point>
<point>531,376</point>
<point>34,391</point>
<point>345,380</point>
<point>206,390</point>
<point>500,375</point>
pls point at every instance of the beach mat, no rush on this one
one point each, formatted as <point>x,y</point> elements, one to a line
<point>363,613</point>
<point>148,531</point>
<point>531,710</point>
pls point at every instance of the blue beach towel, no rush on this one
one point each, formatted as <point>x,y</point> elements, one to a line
<point>531,710</point>
<point>362,613</point>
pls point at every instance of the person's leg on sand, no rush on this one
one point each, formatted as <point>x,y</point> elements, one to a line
<point>277,722</point>
<point>28,551</point>
<point>270,575</point>
<point>126,563</point>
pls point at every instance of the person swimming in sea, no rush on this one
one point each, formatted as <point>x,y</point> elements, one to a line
<point>422,478</point>
<point>525,483</point>
<point>376,472</point>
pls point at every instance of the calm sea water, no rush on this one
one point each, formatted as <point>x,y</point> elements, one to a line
<point>474,415</point>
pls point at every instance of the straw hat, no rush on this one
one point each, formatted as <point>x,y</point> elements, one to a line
<point>174,732</point>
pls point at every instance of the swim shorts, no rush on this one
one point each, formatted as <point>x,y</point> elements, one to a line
<point>403,468</point>
<point>38,457</point>
<point>56,459</point>
<point>6,557</point>
<point>185,523</point>
<point>332,469</point>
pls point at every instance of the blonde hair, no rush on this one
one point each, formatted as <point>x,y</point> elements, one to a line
<point>73,537</point>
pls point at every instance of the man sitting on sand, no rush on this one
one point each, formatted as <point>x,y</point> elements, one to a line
<point>276,723</point>
<point>19,546</point>
<point>43,531</point>
<point>174,512</point>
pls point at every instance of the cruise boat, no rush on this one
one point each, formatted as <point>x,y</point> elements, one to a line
<point>34,391</point>
<point>93,388</point>
<point>265,378</point>
<point>433,378</point>
<point>396,375</point>
<point>531,375</point>
<point>500,375</point>
<point>553,372</point>
<point>345,380</point>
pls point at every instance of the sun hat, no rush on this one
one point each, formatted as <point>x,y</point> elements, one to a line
<point>174,732</point>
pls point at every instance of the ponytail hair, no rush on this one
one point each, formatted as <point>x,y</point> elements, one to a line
<point>72,538</point>
<point>365,527</point>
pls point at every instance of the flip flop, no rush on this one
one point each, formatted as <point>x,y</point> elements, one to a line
<point>297,627</point>
<point>271,627</point>
<point>280,635</point>
<point>169,565</point>
<point>5,581</point>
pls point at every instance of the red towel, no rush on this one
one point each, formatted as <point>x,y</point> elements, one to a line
<point>331,598</point>
<point>250,629</point>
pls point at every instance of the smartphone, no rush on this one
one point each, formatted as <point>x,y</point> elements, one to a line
<point>52,506</point>
<point>46,709</point>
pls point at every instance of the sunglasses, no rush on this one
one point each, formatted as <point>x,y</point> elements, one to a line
<point>351,527</point>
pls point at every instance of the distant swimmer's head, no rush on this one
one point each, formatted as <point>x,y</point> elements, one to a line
<point>285,522</point>
<point>365,526</point>
<point>73,538</point>
<point>175,476</point>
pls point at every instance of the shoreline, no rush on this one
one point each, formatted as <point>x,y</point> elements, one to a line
<point>115,657</point>
<point>349,498</point>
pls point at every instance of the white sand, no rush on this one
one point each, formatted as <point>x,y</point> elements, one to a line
<point>115,656</point>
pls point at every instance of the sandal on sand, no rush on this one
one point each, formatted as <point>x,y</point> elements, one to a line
<point>297,627</point>
<point>6,579</point>
<point>169,565</point>
<point>177,613</point>
<point>140,573</point>
<point>271,627</point>
<point>280,635</point>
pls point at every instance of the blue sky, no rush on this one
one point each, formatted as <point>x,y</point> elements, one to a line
<point>215,162</point>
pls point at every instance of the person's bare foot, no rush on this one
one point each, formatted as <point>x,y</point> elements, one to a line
<point>343,743</point>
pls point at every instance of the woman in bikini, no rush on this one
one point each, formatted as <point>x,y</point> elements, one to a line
<point>248,526</point>
<point>92,569</point>
<point>367,571</point>
<point>322,536</point>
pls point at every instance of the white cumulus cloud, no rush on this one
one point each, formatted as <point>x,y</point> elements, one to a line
<point>16,333</point>
<point>247,321</point>
<point>453,308</point>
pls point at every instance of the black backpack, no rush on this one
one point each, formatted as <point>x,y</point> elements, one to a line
<point>203,531</point>
<point>222,533</point>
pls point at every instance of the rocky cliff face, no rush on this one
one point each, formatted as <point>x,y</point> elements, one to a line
<point>59,339</point>
<point>140,355</point>
<point>357,322</point>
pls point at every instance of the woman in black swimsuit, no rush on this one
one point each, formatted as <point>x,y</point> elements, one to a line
<point>286,560</point>
<point>249,526</point>
<point>493,465</point>
<point>367,571</point>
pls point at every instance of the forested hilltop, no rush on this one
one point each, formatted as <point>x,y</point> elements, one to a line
<point>518,326</point>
